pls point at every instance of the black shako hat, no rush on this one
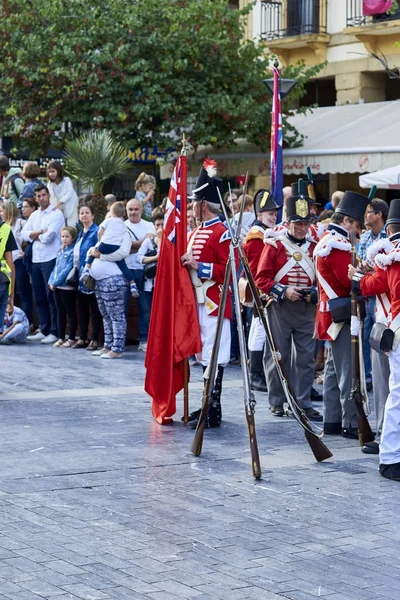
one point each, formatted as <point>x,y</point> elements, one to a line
<point>298,205</point>
<point>308,191</point>
<point>264,200</point>
<point>353,205</point>
<point>207,183</point>
<point>394,211</point>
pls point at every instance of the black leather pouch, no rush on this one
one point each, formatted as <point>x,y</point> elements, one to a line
<point>381,338</point>
<point>340,309</point>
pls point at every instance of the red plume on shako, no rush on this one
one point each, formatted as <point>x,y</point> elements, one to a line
<point>207,183</point>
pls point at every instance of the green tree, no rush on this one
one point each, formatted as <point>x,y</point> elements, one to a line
<point>143,69</point>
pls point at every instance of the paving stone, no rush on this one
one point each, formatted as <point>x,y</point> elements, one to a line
<point>97,501</point>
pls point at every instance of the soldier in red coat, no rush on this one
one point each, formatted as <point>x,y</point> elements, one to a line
<point>375,283</point>
<point>332,259</point>
<point>206,259</point>
<point>286,273</point>
<point>266,208</point>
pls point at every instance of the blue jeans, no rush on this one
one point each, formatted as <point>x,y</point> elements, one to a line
<point>142,304</point>
<point>44,296</point>
<point>24,288</point>
<point>3,303</point>
<point>368,324</point>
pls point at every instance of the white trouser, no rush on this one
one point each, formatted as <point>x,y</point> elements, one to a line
<point>208,328</point>
<point>256,335</point>
<point>389,448</point>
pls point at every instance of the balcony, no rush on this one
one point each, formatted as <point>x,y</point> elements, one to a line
<point>356,18</point>
<point>288,18</point>
<point>288,25</point>
<point>378,32</point>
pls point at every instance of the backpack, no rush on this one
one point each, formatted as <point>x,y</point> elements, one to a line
<point>13,184</point>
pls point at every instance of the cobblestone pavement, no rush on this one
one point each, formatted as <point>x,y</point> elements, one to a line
<point>99,502</point>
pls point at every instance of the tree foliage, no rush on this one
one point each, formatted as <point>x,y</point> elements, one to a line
<point>143,69</point>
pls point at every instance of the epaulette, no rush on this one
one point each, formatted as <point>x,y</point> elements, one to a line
<point>254,234</point>
<point>383,246</point>
<point>335,242</point>
<point>385,260</point>
<point>225,236</point>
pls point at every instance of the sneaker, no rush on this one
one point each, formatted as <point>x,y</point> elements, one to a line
<point>134,290</point>
<point>49,339</point>
<point>142,346</point>
<point>37,337</point>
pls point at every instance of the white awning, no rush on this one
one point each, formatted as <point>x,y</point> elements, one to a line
<point>388,179</point>
<point>354,138</point>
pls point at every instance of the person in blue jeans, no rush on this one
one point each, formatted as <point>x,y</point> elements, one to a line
<point>42,231</point>
<point>139,230</point>
<point>375,220</point>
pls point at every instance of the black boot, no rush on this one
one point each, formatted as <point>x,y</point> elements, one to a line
<point>257,375</point>
<point>214,415</point>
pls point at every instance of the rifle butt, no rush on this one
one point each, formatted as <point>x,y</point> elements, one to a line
<point>364,428</point>
<point>318,448</point>
<point>255,457</point>
<point>197,443</point>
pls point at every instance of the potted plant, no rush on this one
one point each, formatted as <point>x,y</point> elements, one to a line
<point>93,157</point>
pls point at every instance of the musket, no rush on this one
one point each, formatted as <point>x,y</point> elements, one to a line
<point>249,398</point>
<point>364,429</point>
<point>320,451</point>
<point>211,371</point>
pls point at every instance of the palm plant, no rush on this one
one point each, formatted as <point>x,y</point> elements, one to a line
<point>92,158</point>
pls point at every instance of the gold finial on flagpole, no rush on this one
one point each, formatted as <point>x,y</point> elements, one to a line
<point>183,142</point>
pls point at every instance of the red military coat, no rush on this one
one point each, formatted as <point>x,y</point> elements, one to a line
<point>332,259</point>
<point>277,255</point>
<point>390,263</point>
<point>375,283</point>
<point>253,246</point>
<point>209,244</point>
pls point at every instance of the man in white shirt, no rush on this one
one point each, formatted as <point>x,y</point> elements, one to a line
<point>43,231</point>
<point>139,230</point>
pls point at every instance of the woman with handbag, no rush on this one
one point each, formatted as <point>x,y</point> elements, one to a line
<point>63,282</point>
<point>147,255</point>
<point>88,310</point>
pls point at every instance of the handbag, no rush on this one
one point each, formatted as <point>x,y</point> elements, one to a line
<point>72,278</point>
<point>150,269</point>
<point>381,338</point>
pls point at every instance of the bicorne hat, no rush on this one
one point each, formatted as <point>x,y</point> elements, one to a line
<point>353,205</point>
<point>298,205</point>
<point>308,191</point>
<point>264,200</point>
<point>207,183</point>
<point>394,211</point>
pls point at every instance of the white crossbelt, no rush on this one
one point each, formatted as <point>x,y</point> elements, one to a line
<point>305,263</point>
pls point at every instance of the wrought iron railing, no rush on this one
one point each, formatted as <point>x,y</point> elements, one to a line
<point>286,18</point>
<point>356,18</point>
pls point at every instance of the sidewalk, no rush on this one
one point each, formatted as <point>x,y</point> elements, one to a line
<point>98,502</point>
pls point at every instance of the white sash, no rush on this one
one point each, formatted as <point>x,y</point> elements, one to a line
<point>305,263</point>
<point>334,328</point>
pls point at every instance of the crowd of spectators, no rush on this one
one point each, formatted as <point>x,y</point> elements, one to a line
<point>70,281</point>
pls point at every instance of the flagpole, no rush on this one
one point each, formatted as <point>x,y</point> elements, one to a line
<point>185,360</point>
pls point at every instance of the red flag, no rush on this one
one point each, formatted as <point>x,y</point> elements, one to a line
<point>174,332</point>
